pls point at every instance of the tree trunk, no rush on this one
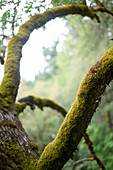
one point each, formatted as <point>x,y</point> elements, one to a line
<point>15,146</point>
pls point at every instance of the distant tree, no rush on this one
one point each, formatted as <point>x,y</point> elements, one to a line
<point>17,151</point>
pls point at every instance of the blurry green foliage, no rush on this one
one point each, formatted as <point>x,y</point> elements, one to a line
<point>15,12</point>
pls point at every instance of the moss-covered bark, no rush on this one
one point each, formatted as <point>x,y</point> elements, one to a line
<point>40,102</point>
<point>16,149</point>
<point>15,158</point>
<point>76,121</point>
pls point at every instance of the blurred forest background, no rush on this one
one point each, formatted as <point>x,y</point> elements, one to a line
<point>84,45</point>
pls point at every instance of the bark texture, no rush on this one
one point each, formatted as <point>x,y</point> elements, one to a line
<point>15,146</point>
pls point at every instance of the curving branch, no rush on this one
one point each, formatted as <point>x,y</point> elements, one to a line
<point>11,80</point>
<point>99,3</point>
<point>81,161</point>
<point>101,8</point>
<point>40,102</point>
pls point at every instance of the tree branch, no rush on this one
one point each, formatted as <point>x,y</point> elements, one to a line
<point>11,80</point>
<point>81,161</point>
<point>109,121</point>
<point>102,9</point>
<point>99,3</point>
<point>91,149</point>
<point>40,102</point>
<point>93,85</point>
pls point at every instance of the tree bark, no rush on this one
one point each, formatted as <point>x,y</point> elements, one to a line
<point>11,133</point>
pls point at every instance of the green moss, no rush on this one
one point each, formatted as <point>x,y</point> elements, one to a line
<point>39,102</point>
<point>15,155</point>
<point>8,123</point>
<point>5,103</point>
<point>11,78</point>
<point>28,164</point>
<point>33,146</point>
<point>20,107</point>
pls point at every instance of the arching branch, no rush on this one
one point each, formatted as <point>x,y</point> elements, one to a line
<point>11,80</point>
<point>40,102</point>
<point>81,161</point>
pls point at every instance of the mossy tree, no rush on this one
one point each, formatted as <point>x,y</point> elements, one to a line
<point>16,149</point>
